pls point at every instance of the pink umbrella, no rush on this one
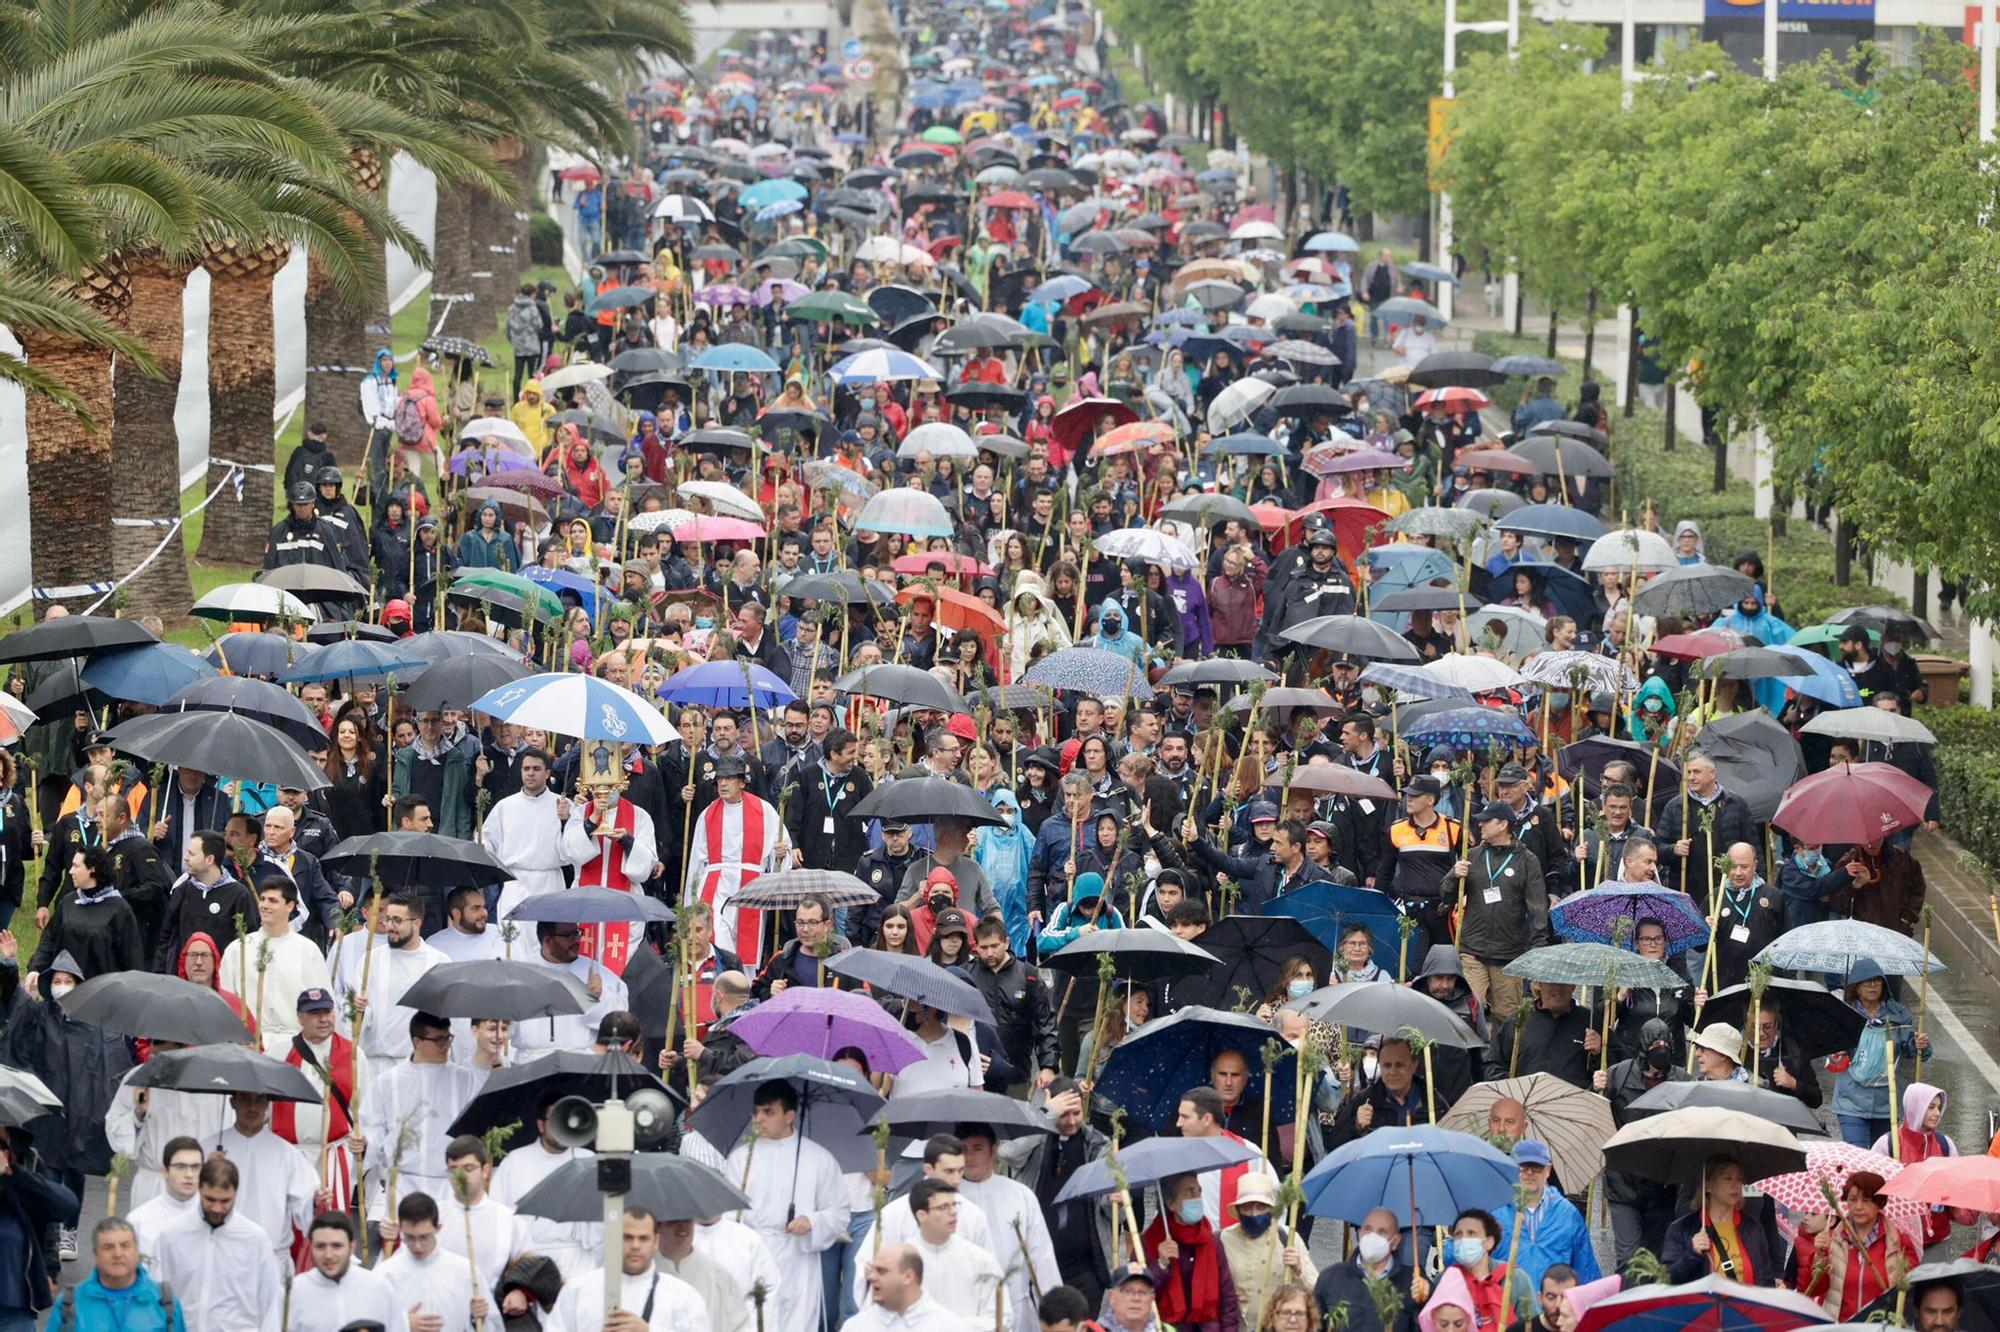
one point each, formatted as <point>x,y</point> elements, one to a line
<point>1799,1193</point>
<point>711,528</point>
<point>1323,461</point>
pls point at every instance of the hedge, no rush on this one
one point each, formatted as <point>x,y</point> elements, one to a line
<point>1968,765</point>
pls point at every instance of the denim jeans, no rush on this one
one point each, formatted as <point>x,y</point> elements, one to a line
<point>1861,1131</point>
<point>17,1320</point>
<point>837,1265</point>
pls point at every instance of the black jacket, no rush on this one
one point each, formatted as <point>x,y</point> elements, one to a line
<point>1343,1284</point>
<point>1258,874</point>
<point>83,1065</point>
<point>1733,823</point>
<point>1808,1089</point>
<point>102,936</point>
<point>884,873</point>
<point>317,902</point>
<point>1023,1012</point>
<point>1415,1110</point>
<point>144,881</point>
<point>1758,1231</point>
<point>817,819</point>
<point>211,814</point>
<point>191,911</point>
<point>313,541</point>
<point>1548,1045</point>
<point>38,1204</point>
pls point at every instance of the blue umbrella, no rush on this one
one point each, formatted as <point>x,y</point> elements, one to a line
<point>149,674</point>
<point>1571,592</point>
<point>259,654</point>
<point>1155,1066</point>
<point>1470,728</point>
<point>1059,289</point>
<point>767,192</point>
<point>1327,909</point>
<point>1429,273</point>
<point>1553,520</point>
<point>590,596</point>
<point>734,356</point>
<point>771,212</point>
<point>1419,566</point>
<point>1421,1173</point>
<point>1333,242</point>
<point>1155,1159</point>
<point>1830,684</point>
<point>355,658</point>
<point>727,684</point>
<point>1594,917</point>
<point>1088,670</point>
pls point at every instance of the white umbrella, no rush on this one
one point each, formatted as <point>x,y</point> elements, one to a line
<point>1520,631</point>
<point>940,439</point>
<point>1145,543</point>
<point>1479,674</point>
<point>251,601</point>
<point>19,714</point>
<point>1257,230</point>
<point>1616,552</point>
<point>683,208</point>
<point>1889,728</point>
<point>879,249</point>
<point>1271,307</point>
<point>723,498</point>
<point>493,427</point>
<point>1232,407</point>
<point>655,519</point>
<point>572,375</point>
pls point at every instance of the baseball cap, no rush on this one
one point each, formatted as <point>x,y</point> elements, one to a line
<point>315,1000</point>
<point>1125,1272</point>
<point>1528,1152</point>
<point>1494,809</point>
<point>895,825</point>
<point>1320,828</point>
<point>1423,785</point>
<point>952,921</point>
<point>1263,811</point>
<point>1511,772</point>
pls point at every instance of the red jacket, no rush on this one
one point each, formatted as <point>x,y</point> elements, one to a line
<point>1232,604</point>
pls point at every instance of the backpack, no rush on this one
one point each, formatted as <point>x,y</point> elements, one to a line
<point>409,420</point>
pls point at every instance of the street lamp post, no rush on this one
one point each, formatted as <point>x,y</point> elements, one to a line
<point>1452,28</point>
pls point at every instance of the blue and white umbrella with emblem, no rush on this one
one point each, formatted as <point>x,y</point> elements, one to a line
<point>577,705</point>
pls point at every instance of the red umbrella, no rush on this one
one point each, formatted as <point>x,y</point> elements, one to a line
<point>1008,199</point>
<point>1354,521</point>
<point>1074,423</point>
<point>956,610</point>
<point>954,564</point>
<point>1471,399</point>
<point>1692,647</point>
<point>579,172</point>
<point>1496,460</point>
<point>1707,1305</point>
<point>1133,437</point>
<point>1254,213</point>
<point>1853,803</point>
<point>1972,1182</point>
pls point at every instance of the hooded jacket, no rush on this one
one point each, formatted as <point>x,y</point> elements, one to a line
<point>1452,1289</point>
<point>1862,1088</point>
<point>1625,1083</point>
<point>1125,643</point>
<point>1191,603</point>
<point>1637,727</point>
<point>1003,855</point>
<point>477,550</point>
<point>1769,630</point>
<point>1681,528</point>
<point>1453,1070</point>
<point>533,413</point>
<point>82,1064</point>
<point>1065,924</point>
<point>423,390</point>
<point>1033,621</point>
<point>378,387</point>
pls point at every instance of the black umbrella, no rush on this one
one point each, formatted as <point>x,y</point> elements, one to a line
<point>521,1093</point>
<point>1810,1016</point>
<point>897,303</point>
<point>73,636</point>
<point>1572,430</point>
<point>640,360</point>
<point>1355,635</point>
<point>220,742</point>
<point>925,799</point>
<point>1557,455</point>
<point>812,425</point>
<point>456,683</point>
<point>1751,663</point>
<point>1590,757</point>
<point>914,978</point>
<point>258,653</point>
<point>649,986</point>
<point>1138,955</point>
<point>842,586</point>
<point>1977,1284</point>
<point>457,349</point>
<point>63,694</point>
<point>902,684</point>
<point>1002,446</point>
<point>592,906</point>
<point>1151,1069</point>
<point>1693,590</point>
<point>223,1070</point>
<point>1427,597</point>
<point>258,700</point>
<point>157,1008</point>
<point>672,1188</point>
<point>497,988</point>
<point>835,1106</point>
<point>1884,620</point>
<point>445,644</point>
<point>1463,369</point>
<point>1756,758</point>
<point>922,1114</point>
<point>314,582</point>
<point>416,860</point>
<point>979,397</point>
<point>338,631</point>
<point>1384,1006</point>
<point>501,605</point>
<point>1528,367</point>
<point>1217,670</point>
<point>1251,952</point>
<point>1309,400</point>
<point>1774,1106</point>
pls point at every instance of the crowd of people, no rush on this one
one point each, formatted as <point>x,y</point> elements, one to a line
<point>1064,644</point>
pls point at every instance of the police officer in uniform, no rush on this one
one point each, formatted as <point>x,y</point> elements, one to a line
<point>1319,586</point>
<point>343,519</point>
<point>302,536</point>
<point>881,869</point>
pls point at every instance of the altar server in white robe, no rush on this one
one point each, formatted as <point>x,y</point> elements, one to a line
<point>276,963</point>
<point>944,1158</point>
<point>496,1232</point>
<point>573,1246</point>
<point>336,1291</point>
<point>143,1120</point>
<point>408,1115</point>
<point>280,1188</point>
<point>958,1274</point>
<point>661,1301</point>
<point>180,1174</point>
<point>1015,1222</point>
<point>524,833</point>
<point>742,1253</point>
<point>219,1263</point>
<point>401,958</point>
<point>559,947</point>
<point>728,1306</point>
<point>798,1201</point>
<point>469,934</point>
<point>429,1281</point>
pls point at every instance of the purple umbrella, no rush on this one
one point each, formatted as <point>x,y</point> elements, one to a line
<point>819,1022</point>
<point>784,287</point>
<point>1594,917</point>
<point>723,293</point>
<point>495,458</point>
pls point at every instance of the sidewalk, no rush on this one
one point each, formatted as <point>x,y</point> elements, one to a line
<point>1961,907</point>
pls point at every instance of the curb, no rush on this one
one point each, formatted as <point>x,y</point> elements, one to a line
<point>1963,935</point>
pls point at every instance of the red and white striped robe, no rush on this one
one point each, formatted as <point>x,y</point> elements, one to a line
<point>612,866</point>
<point>288,1117</point>
<point>732,845</point>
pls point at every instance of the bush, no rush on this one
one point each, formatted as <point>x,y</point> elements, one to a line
<point>1968,764</point>
<point>545,240</point>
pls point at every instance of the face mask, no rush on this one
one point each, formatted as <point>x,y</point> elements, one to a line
<point>940,902</point>
<point>1373,1248</point>
<point>1152,867</point>
<point>1254,1224</point>
<point>704,622</point>
<point>59,988</point>
<point>1299,989</point>
<point>1369,1066</point>
<point>1891,648</point>
<point>1190,1211</point>
<point>1659,1057</point>
<point>1811,860</point>
<point>1467,1250</point>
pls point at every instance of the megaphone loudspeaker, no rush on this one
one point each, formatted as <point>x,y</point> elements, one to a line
<point>573,1122</point>
<point>652,1116</point>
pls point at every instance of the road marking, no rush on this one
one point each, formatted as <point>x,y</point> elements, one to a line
<point>1961,1035</point>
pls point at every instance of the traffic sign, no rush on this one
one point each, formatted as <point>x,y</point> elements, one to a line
<point>852,49</point>
<point>859,71</point>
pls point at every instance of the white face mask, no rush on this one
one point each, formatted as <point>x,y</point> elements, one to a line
<point>1369,1065</point>
<point>1152,867</point>
<point>59,988</point>
<point>1373,1248</point>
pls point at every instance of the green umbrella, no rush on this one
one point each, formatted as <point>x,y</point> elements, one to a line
<point>798,247</point>
<point>1591,964</point>
<point>830,306</point>
<point>502,581</point>
<point>943,134</point>
<point>1828,635</point>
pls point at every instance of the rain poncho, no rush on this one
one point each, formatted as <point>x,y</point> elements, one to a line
<point>1769,630</point>
<point>1124,643</point>
<point>1002,855</point>
<point>1066,922</point>
<point>1648,726</point>
<point>1862,1088</point>
<point>1033,622</point>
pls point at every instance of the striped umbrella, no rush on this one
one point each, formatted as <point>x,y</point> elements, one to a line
<point>1572,1120</point>
<point>1559,670</point>
<point>1712,1304</point>
<point>568,703</point>
<point>785,890</point>
<point>882,363</point>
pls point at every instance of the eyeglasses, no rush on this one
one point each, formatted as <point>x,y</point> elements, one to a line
<point>445,1038</point>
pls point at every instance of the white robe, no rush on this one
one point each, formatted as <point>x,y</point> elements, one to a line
<point>743,1254</point>
<point>417,1103</point>
<point>295,966</point>
<point>150,1221</point>
<point>964,1278</point>
<point>277,1183</point>
<point>788,1178</point>
<point>440,1284</point>
<point>534,1037</point>
<point>640,856</point>
<point>715,879</point>
<point>926,1315</point>
<point>385,1031</point>
<point>676,1306</point>
<point>728,1307</point>
<point>496,1235</point>
<point>321,1304</point>
<point>1004,1203</point>
<point>573,1246</point>
<point>458,946</point>
<point>226,1277</point>
<point>169,1115</point>
<point>523,833</point>
<point>899,1226</point>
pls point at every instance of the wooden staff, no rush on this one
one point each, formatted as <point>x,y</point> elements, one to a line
<point>459,1186</point>
<point>1895,1138</point>
<point>1924,996</point>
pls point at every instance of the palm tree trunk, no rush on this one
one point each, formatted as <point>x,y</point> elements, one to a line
<point>242,400</point>
<point>147,481</point>
<point>341,340</point>
<point>69,470</point>
<point>494,268</point>
<point>522,206</point>
<point>452,264</point>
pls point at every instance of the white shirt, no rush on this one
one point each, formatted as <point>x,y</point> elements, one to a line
<point>571,1245</point>
<point>385,1031</point>
<point>320,1303</point>
<point>277,1183</point>
<point>523,833</point>
<point>538,1036</point>
<point>458,946</point>
<point>293,967</point>
<point>440,1284</point>
<point>728,1307</point>
<point>675,1306</point>
<point>899,1226</point>
<point>496,1235</point>
<point>169,1115</point>
<point>150,1220</point>
<point>791,1178</point>
<point>742,1253</point>
<point>926,1315</point>
<point>943,1067</point>
<point>1020,1240</point>
<point>415,1103</point>
<point>226,1277</point>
